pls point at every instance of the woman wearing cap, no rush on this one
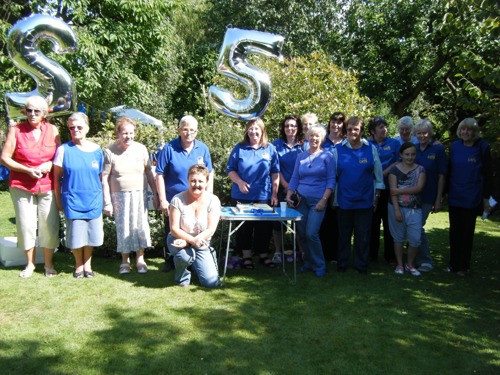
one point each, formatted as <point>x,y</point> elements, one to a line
<point>78,190</point>
<point>28,153</point>
<point>125,177</point>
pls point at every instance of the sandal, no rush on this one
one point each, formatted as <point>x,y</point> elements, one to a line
<point>267,262</point>
<point>27,272</point>
<point>142,267</point>
<point>50,272</point>
<point>247,263</point>
<point>124,268</point>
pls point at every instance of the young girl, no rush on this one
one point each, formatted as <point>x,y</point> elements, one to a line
<point>406,181</point>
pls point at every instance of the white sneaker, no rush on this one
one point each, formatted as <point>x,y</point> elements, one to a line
<point>399,270</point>
<point>276,258</point>
<point>412,270</point>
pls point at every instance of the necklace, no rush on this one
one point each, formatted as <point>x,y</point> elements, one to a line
<point>312,159</point>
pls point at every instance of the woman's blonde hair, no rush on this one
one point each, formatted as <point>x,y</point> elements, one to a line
<point>256,121</point>
<point>469,123</point>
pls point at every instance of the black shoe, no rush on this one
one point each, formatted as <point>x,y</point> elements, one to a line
<point>78,275</point>
<point>363,272</point>
<point>88,274</point>
<point>169,265</point>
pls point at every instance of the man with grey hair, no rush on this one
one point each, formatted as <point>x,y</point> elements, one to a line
<point>174,161</point>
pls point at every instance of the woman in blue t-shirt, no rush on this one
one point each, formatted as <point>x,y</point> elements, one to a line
<point>78,191</point>
<point>359,183</point>
<point>470,186</point>
<point>288,146</point>
<point>253,166</point>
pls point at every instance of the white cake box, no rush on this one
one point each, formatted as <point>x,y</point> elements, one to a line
<point>11,256</point>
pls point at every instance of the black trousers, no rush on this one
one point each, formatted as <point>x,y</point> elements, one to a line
<point>329,234</point>
<point>253,235</point>
<point>381,215</point>
<point>462,227</point>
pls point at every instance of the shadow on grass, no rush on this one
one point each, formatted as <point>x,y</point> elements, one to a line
<point>259,323</point>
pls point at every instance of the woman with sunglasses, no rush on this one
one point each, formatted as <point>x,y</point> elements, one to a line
<point>78,190</point>
<point>28,153</point>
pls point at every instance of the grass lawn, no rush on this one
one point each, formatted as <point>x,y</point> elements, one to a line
<point>259,323</point>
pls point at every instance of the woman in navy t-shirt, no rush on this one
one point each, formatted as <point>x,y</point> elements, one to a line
<point>470,176</point>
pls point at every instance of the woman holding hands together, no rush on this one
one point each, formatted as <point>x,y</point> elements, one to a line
<point>314,179</point>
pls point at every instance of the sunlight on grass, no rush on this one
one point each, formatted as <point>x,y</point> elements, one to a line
<point>259,323</point>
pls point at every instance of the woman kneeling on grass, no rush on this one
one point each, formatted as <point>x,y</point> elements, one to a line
<point>406,181</point>
<point>194,215</point>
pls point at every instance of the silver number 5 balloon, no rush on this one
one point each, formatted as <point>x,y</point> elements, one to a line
<point>232,63</point>
<point>53,82</point>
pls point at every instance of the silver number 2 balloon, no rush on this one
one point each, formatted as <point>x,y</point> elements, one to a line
<point>53,82</point>
<point>232,63</point>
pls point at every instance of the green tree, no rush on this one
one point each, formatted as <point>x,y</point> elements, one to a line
<point>307,25</point>
<point>129,51</point>
<point>313,83</point>
<point>440,51</point>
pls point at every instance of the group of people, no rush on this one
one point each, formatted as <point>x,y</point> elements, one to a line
<point>347,184</point>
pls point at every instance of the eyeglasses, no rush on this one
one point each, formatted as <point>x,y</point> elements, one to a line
<point>190,131</point>
<point>76,127</point>
<point>35,111</point>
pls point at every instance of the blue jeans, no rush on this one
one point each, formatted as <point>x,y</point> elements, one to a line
<point>359,222</point>
<point>308,229</point>
<point>203,261</point>
<point>424,252</point>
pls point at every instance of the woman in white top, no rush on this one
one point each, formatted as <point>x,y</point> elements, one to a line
<point>194,215</point>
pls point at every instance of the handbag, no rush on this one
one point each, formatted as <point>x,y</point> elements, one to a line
<point>295,198</point>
